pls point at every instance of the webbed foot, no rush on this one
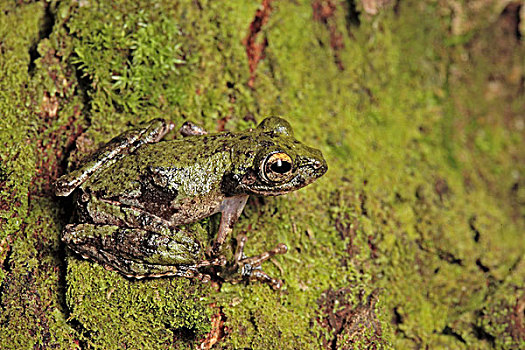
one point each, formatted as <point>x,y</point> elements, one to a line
<point>250,267</point>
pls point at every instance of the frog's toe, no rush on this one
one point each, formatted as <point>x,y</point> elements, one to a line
<point>204,278</point>
<point>262,276</point>
<point>219,261</point>
<point>255,273</point>
<point>190,129</point>
<point>257,260</point>
<point>250,267</point>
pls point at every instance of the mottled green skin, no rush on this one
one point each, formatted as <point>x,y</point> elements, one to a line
<point>135,191</point>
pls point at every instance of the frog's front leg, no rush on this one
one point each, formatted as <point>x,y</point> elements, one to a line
<point>124,144</point>
<point>140,253</point>
<point>230,208</point>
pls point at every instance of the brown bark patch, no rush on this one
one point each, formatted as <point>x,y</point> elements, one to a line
<point>349,323</point>
<point>516,326</point>
<point>217,333</point>
<point>255,47</point>
<point>324,12</point>
<point>50,145</point>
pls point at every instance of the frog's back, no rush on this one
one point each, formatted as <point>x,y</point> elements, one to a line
<point>177,180</point>
<point>193,167</point>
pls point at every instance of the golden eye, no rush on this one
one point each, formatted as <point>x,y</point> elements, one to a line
<point>278,167</point>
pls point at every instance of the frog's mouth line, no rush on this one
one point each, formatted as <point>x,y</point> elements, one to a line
<point>295,183</point>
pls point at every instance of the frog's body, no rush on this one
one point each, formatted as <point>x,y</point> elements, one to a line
<point>134,193</point>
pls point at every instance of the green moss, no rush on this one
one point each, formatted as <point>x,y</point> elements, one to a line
<point>112,312</point>
<point>422,205</point>
<point>133,57</point>
<point>14,63</point>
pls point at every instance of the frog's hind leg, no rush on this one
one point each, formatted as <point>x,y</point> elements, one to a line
<point>139,253</point>
<point>124,144</point>
<point>251,266</point>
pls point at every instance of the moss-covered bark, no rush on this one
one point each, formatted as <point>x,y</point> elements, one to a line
<point>413,239</point>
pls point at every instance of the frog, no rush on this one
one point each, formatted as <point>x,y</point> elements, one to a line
<point>137,196</point>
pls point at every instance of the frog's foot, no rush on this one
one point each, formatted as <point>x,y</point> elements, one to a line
<point>250,267</point>
<point>188,271</point>
<point>190,129</point>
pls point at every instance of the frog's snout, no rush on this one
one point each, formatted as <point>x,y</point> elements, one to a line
<point>318,162</point>
<point>315,162</point>
<point>320,166</point>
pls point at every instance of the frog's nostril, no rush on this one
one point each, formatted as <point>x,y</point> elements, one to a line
<point>312,163</point>
<point>319,164</point>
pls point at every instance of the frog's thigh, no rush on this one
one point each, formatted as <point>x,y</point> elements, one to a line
<point>136,252</point>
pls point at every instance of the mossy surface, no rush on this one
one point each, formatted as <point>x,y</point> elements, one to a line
<point>414,237</point>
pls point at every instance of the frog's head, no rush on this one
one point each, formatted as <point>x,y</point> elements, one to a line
<point>281,164</point>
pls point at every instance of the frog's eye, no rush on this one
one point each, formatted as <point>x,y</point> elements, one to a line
<point>277,167</point>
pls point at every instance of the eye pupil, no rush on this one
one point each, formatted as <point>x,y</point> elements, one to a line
<point>281,167</point>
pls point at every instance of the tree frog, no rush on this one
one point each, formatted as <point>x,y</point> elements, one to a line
<point>136,196</point>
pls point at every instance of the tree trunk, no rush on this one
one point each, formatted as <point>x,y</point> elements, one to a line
<point>414,237</point>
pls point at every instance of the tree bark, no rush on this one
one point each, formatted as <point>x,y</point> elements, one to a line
<point>414,237</point>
